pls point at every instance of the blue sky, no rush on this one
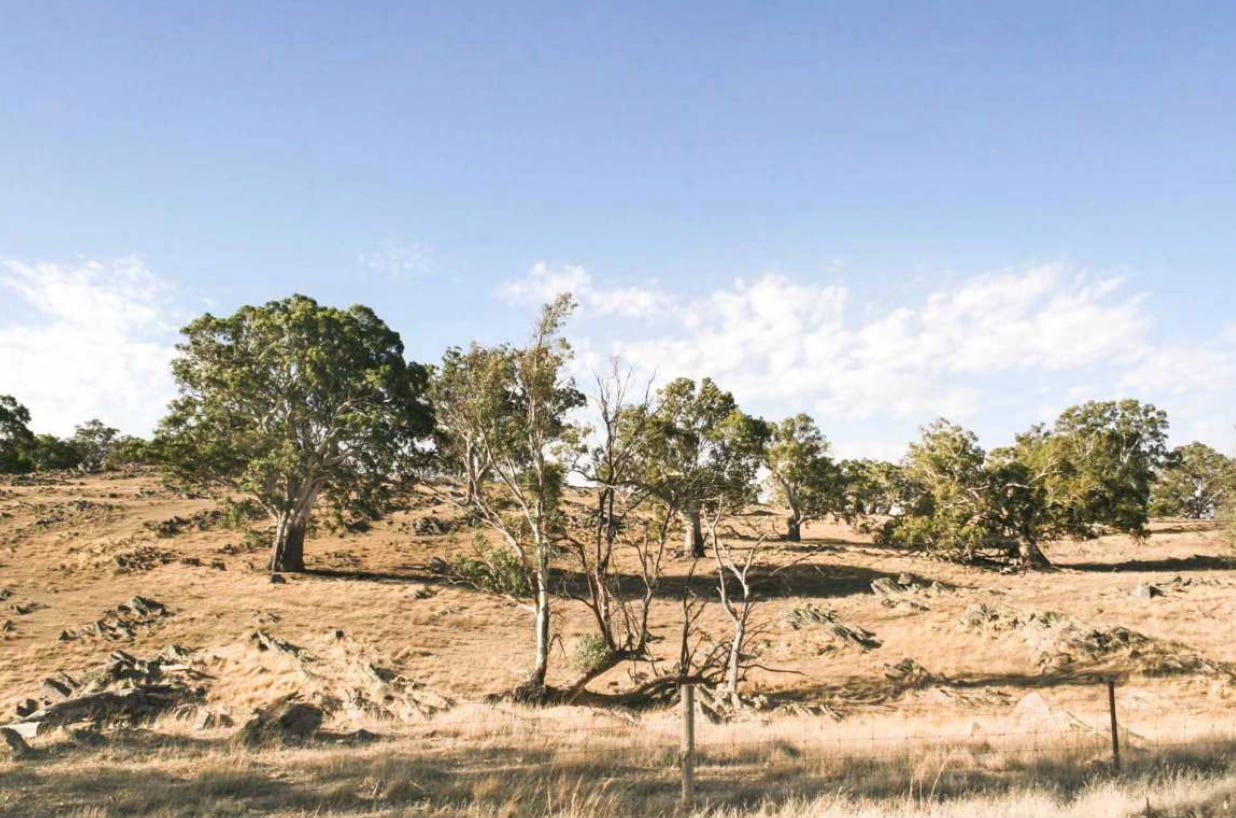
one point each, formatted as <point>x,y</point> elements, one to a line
<point>878,175</point>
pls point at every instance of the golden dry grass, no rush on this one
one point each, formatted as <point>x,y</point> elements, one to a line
<point>992,733</point>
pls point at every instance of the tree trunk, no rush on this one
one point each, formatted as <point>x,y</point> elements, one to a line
<point>693,534</point>
<point>535,686</point>
<point>288,553</point>
<point>794,532</point>
<point>734,663</point>
<point>1029,555</point>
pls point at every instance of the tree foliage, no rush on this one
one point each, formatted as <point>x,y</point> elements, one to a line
<point>701,452</point>
<point>292,401</point>
<point>505,417</point>
<point>803,477</point>
<point>1090,472</point>
<point>15,435</point>
<point>1195,483</point>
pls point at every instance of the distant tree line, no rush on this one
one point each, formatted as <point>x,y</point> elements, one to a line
<point>306,408</point>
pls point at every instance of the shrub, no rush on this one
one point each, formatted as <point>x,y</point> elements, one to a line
<point>493,569</point>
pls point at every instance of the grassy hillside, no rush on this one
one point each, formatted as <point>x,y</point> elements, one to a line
<point>382,640</point>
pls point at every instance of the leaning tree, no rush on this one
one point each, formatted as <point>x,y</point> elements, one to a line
<point>292,402</point>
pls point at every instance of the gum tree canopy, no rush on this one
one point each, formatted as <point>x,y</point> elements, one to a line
<point>293,401</point>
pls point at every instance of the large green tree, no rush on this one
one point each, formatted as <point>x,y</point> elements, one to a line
<point>803,477</point>
<point>1097,466</point>
<point>1195,483</point>
<point>292,402</point>
<point>1090,472</point>
<point>701,452</point>
<point>15,435</point>
<point>505,420</point>
<point>96,443</point>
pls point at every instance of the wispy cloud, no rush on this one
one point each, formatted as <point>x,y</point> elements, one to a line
<point>398,259</point>
<point>543,282</point>
<point>87,339</point>
<point>798,343</point>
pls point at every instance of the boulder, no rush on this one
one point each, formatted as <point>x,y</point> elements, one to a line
<point>13,745</point>
<point>287,721</point>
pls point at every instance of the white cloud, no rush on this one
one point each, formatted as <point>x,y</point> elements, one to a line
<point>86,339</point>
<point>398,260</point>
<point>543,283</point>
<point>793,343</point>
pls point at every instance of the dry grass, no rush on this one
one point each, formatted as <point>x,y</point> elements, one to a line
<point>993,732</point>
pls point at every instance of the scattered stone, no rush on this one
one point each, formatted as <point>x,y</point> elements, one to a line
<point>267,642</point>
<point>430,526</point>
<point>209,720</point>
<point>277,579</point>
<point>54,690</point>
<point>122,623</point>
<point>13,745</point>
<point>286,721</point>
<point>908,674</point>
<point>1147,591</point>
<point>218,565</point>
<point>420,591</point>
<point>811,616</point>
<point>7,626</point>
<point>26,707</point>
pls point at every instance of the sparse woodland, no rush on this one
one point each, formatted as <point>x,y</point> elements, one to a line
<point>670,528</point>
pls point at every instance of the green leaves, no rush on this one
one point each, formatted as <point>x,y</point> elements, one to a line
<point>290,399</point>
<point>1195,482</point>
<point>700,448</point>
<point>803,476</point>
<point>1092,470</point>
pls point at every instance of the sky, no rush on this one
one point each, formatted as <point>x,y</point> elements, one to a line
<point>875,213</point>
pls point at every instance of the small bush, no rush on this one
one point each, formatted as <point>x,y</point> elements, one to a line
<point>493,569</point>
<point>591,653</point>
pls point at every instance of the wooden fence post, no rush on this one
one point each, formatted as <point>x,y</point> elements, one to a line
<point>1111,708</point>
<point>687,697</point>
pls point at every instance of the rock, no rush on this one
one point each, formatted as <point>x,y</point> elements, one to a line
<point>1147,591</point>
<point>207,720</point>
<point>277,579</point>
<point>7,626</point>
<point>145,607</point>
<point>905,580</point>
<point>175,653</point>
<point>287,721</point>
<point>25,708</point>
<point>218,565</point>
<point>54,690</point>
<point>13,745</point>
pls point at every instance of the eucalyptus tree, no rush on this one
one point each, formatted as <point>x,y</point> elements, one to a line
<point>1195,483</point>
<point>804,478</point>
<point>702,452</point>
<point>292,402</point>
<point>15,435</point>
<point>1088,473</point>
<point>511,407</point>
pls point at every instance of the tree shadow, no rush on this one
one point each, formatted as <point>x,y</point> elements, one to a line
<point>798,580</point>
<point>1197,562</point>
